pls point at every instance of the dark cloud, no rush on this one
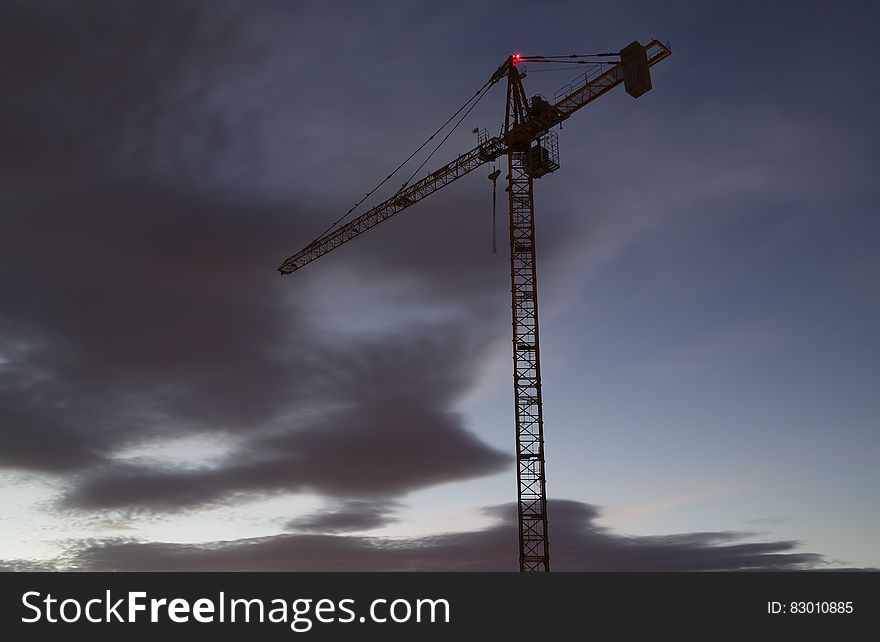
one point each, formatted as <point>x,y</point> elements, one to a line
<point>144,218</point>
<point>347,516</point>
<point>578,545</point>
<point>130,331</point>
<point>391,433</point>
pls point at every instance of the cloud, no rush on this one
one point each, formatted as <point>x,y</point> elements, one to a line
<point>578,544</point>
<point>347,516</point>
<point>151,335</point>
<point>141,304</point>
<point>390,434</point>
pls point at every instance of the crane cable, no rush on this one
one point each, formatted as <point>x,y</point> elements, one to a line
<point>597,63</point>
<point>445,138</point>
<point>554,58</point>
<point>477,96</point>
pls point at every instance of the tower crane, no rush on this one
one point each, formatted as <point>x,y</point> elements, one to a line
<point>531,148</point>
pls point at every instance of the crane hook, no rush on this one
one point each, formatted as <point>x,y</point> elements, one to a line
<point>494,178</point>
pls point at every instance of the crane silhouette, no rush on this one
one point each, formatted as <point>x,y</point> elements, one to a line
<point>531,148</point>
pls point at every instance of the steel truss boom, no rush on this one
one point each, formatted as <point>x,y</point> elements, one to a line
<point>582,91</point>
<point>464,164</point>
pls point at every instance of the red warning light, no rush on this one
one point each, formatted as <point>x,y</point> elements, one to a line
<point>516,58</point>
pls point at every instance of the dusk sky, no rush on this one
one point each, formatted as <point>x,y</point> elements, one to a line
<point>707,260</point>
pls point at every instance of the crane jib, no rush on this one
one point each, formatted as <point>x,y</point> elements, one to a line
<point>464,164</point>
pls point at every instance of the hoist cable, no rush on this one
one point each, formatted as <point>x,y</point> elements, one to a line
<point>476,97</point>
<point>445,138</point>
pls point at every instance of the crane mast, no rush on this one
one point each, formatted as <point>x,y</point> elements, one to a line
<point>530,146</point>
<point>534,550</point>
